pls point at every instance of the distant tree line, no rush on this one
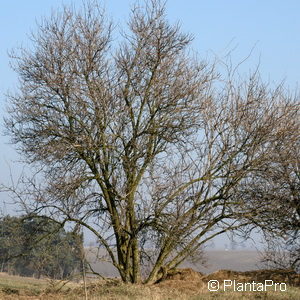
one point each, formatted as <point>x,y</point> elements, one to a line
<point>38,247</point>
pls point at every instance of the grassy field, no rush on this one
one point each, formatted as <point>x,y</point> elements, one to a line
<point>14,287</point>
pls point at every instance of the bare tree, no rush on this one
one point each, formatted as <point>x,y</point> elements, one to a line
<point>282,252</point>
<point>139,141</point>
<point>275,193</point>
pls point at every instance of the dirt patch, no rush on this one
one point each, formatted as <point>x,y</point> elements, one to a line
<point>10,291</point>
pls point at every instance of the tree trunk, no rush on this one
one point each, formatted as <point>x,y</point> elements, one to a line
<point>136,278</point>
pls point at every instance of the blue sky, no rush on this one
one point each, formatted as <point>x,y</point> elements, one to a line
<point>272,27</point>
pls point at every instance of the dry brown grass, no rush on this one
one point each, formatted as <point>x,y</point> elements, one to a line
<point>183,284</point>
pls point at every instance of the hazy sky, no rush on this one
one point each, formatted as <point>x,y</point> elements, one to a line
<point>272,27</point>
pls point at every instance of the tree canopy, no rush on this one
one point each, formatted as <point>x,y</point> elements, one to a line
<point>137,139</point>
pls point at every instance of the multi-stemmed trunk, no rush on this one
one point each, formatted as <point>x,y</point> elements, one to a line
<point>128,258</point>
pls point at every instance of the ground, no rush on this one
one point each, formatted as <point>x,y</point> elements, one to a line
<point>181,284</point>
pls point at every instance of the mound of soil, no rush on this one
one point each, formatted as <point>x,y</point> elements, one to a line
<point>183,280</point>
<point>190,276</point>
<point>287,276</point>
<point>187,274</point>
<point>226,274</point>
